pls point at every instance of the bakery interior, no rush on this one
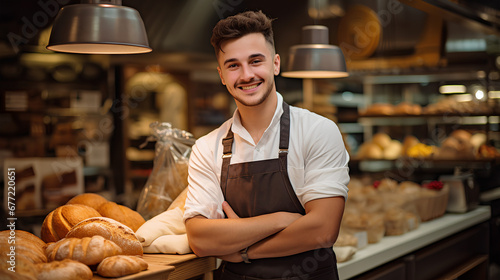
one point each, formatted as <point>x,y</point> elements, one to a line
<point>419,113</point>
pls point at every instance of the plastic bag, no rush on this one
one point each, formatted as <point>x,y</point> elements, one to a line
<point>170,169</point>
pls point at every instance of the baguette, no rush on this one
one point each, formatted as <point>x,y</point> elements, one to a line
<point>117,266</point>
<point>58,222</point>
<point>111,230</point>
<point>62,270</point>
<point>88,250</point>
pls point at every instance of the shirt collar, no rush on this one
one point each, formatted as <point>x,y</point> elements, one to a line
<point>238,128</point>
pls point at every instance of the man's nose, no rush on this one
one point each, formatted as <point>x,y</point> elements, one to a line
<point>247,73</point>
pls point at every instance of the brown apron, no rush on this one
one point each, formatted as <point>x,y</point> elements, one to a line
<point>262,187</point>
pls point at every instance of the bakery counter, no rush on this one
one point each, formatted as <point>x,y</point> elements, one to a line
<point>173,267</point>
<point>393,247</point>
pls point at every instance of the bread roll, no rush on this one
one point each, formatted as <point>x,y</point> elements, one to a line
<point>24,268</point>
<point>90,199</point>
<point>62,270</point>
<point>122,214</point>
<point>88,250</point>
<point>111,230</point>
<point>117,266</point>
<point>369,150</point>
<point>409,142</point>
<point>382,109</point>
<point>58,222</point>
<point>179,201</point>
<point>382,140</point>
<point>393,151</point>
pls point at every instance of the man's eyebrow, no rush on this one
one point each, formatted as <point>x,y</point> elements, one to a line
<point>229,60</point>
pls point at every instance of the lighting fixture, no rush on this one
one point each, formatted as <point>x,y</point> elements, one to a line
<point>99,27</point>
<point>315,58</point>
<point>449,89</point>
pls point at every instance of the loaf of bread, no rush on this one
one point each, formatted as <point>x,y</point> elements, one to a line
<point>23,236</point>
<point>33,251</point>
<point>88,250</point>
<point>24,268</point>
<point>63,270</point>
<point>117,266</point>
<point>122,214</point>
<point>111,230</point>
<point>90,199</point>
<point>58,222</point>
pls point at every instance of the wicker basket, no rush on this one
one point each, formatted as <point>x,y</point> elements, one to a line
<point>433,206</point>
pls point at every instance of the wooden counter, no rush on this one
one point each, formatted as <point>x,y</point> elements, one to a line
<point>173,267</point>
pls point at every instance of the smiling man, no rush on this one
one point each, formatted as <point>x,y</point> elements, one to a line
<point>267,188</point>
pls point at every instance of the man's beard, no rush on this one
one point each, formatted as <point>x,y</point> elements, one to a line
<point>267,92</point>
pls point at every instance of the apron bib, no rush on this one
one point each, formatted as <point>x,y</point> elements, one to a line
<point>263,187</point>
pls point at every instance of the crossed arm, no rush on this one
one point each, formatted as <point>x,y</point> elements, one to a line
<point>271,235</point>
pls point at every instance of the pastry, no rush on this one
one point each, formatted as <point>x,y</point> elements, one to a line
<point>62,270</point>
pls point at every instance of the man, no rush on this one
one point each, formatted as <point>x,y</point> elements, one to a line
<point>278,173</point>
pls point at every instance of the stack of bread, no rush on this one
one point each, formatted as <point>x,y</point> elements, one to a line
<point>385,109</point>
<point>88,233</point>
<point>381,146</point>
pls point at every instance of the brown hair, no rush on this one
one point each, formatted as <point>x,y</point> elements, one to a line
<point>240,25</point>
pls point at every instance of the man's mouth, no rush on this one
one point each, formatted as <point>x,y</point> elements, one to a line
<point>249,87</point>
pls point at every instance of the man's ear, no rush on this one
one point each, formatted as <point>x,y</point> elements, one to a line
<point>276,63</point>
<point>220,75</point>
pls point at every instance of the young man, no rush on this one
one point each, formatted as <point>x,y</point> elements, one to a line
<point>278,173</point>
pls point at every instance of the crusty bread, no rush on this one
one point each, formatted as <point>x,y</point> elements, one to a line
<point>122,214</point>
<point>24,236</point>
<point>24,247</point>
<point>179,201</point>
<point>58,222</point>
<point>88,250</point>
<point>24,268</point>
<point>110,229</point>
<point>117,266</point>
<point>90,199</point>
<point>62,270</point>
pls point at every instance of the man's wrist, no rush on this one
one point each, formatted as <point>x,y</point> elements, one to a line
<point>244,255</point>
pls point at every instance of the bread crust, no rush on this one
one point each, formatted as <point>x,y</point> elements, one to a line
<point>88,250</point>
<point>117,266</point>
<point>122,214</point>
<point>62,270</point>
<point>90,199</point>
<point>111,230</point>
<point>58,222</point>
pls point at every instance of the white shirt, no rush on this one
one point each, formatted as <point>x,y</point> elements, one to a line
<point>317,159</point>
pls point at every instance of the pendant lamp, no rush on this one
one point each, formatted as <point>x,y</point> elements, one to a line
<point>98,27</point>
<point>315,58</point>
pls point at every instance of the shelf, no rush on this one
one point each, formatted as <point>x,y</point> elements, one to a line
<point>409,120</point>
<point>434,165</point>
<point>393,247</point>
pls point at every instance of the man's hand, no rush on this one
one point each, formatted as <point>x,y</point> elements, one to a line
<point>229,211</point>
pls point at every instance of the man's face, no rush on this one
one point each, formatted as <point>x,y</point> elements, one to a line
<point>247,67</point>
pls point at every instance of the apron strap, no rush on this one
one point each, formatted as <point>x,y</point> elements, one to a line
<point>227,143</point>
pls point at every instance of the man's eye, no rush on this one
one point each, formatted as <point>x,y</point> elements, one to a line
<point>256,61</point>
<point>231,65</point>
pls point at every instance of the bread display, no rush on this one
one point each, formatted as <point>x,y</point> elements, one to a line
<point>111,230</point>
<point>371,223</point>
<point>406,108</point>
<point>117,266</point>
<point>379,109</point>
<point>88,250</point>
<point>90,199</point>
<point>381,146</point>
<point>122,214</point>
<point>58,222</point>
<point>395,222</point>
<point>62,270</point>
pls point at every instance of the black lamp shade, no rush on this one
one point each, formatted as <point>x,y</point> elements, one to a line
<point>315,58</point>
<point>98,29</point>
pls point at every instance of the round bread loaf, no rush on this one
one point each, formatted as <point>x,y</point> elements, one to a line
<point>62,270</point>
<point>90,199</point>
<point>25,270</point>
<point>58,222</point>
<point>110,229</point>
<point>122,214</point>
<point>88,250</point>
<point>117,266</point>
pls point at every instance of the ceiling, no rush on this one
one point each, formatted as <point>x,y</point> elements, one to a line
<point>179,31</point>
